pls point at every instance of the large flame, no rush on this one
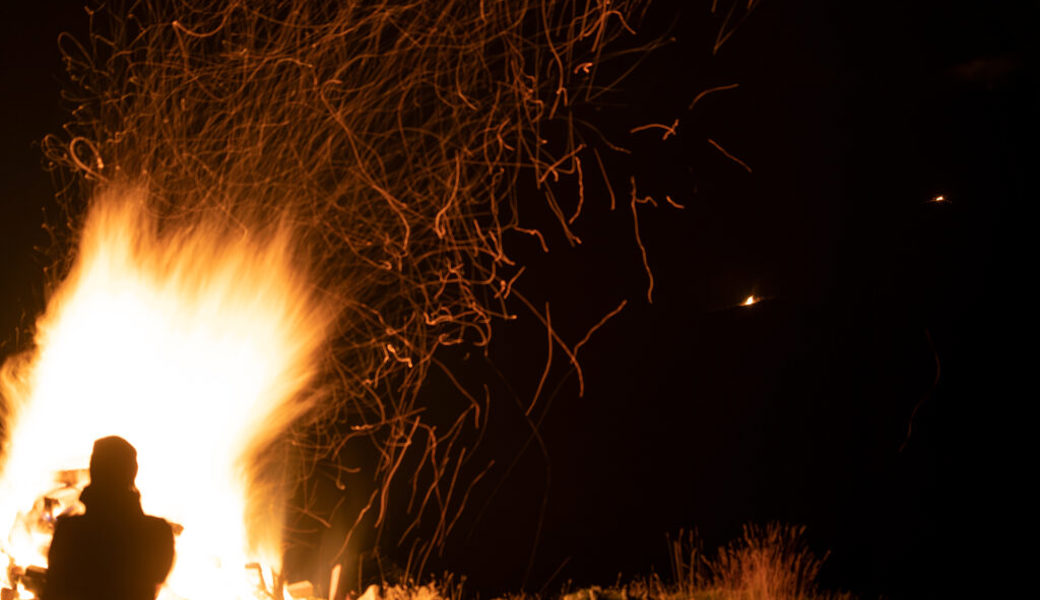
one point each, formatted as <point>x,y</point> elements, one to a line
<point>197,343</point>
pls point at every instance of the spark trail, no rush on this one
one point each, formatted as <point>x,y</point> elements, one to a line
<point>356,165</point>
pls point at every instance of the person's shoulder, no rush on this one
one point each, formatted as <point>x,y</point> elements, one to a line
<point>70,521</point>
<point>157,526</point>
<point>71,518</point>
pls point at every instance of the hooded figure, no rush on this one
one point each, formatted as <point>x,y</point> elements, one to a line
<point>113,551</point>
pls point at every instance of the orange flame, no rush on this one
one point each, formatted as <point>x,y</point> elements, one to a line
<point>197,343</point>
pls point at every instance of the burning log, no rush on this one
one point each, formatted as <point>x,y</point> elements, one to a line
<point>301,590</point>
<point>32,579</point>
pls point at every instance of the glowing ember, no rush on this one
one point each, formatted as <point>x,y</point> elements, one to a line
<point>197,344</point>
<point>752,299</point>
<point>939,198</point>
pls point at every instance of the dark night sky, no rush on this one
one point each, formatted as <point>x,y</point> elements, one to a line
<point>699,413</point>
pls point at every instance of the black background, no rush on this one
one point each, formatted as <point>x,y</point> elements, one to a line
<point>701,413</point>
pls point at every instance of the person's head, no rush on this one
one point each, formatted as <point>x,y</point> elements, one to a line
<point>113,464</point>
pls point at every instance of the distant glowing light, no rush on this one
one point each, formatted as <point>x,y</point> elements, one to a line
<point>752,299</point>
<point>939,198</point>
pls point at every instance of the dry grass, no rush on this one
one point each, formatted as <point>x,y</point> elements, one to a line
<point>766,563</point>
<point>771,562</point>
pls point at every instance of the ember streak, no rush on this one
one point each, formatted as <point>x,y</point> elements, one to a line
<point>278,214</point>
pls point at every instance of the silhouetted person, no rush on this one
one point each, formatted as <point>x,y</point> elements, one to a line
<point>114,551</point>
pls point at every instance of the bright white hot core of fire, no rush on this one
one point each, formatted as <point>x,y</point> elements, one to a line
<point>198,346</point>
